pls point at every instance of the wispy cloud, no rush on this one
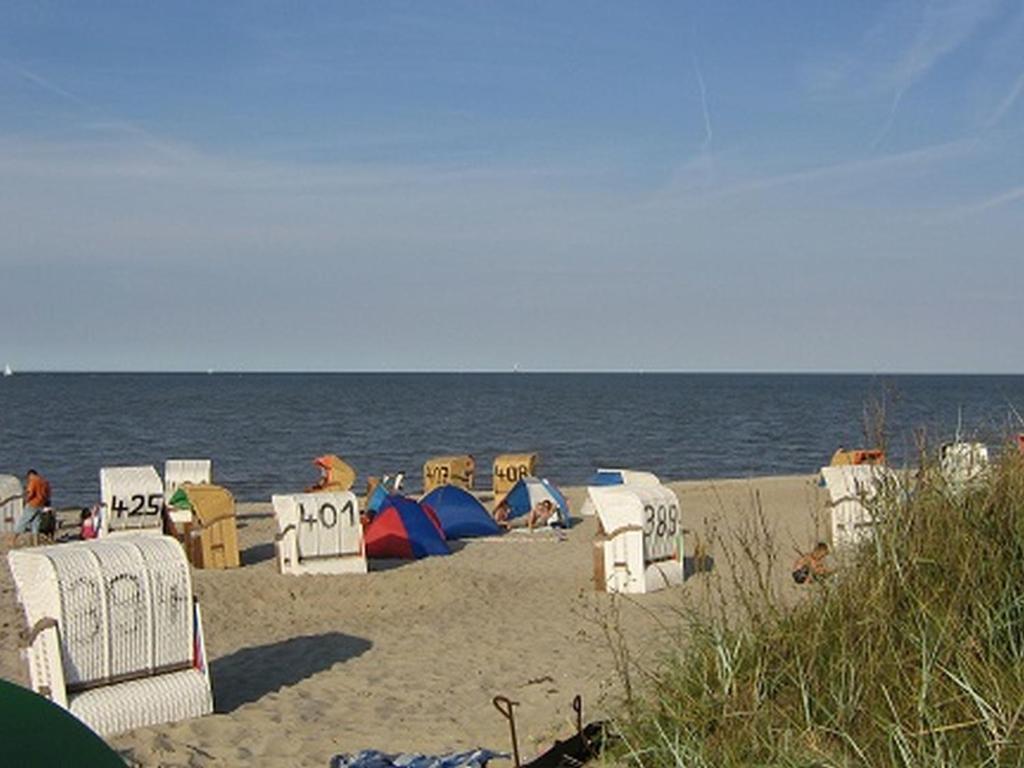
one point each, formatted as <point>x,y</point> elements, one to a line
<point>709,133</point>
<point>901,49</point>
<point>1007,102</point>
<point>94,110</point>
<point>864,171</point>
<point>995,201</point>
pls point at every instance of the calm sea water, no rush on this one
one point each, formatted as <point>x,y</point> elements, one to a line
<point>263,429</point>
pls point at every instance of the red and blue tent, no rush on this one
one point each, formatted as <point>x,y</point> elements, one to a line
<point>460,514</point>
<point>404,528</point>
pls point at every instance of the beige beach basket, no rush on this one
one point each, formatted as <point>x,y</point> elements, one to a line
<point>211,535</point>
<point>449,470</point>
<point>510,468</point>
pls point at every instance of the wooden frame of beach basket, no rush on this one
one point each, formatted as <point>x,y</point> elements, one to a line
<point>639,545</point>
<point>850,488</point>
<point>458,470</point>
<point>319,533</point>
<point>177,472</point>
<point>510,468</point>
<point>132,500</point>
<point>115,634</point>
<point>11,502</point>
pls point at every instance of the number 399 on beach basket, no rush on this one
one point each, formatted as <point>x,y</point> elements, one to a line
<point>639,545</point>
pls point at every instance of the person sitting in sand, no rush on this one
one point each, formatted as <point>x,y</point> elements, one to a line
<point>540,515</point>
<point>811,566</point>
<point>90,523</point>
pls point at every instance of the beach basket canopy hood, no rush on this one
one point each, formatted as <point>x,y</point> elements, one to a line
<point>405,529</point>
<point>857,456</point>
<point>340,476</point>
<point>529,491</point>
<point>460,513</point>
<point>604,477</point>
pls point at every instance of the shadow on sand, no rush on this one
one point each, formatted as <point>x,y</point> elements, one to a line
<point>257,553</point>
<point>249,674</point>
<point>694,565</point>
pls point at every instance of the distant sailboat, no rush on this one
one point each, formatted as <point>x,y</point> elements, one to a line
<point>7,370</point>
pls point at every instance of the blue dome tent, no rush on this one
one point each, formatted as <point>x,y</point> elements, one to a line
<point>461,515</point>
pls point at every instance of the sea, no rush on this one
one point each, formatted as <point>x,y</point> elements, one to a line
<point>263,430</point>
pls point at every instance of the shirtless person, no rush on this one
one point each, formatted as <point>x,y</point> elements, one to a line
<point>540,515</point>
<point>811,567</point>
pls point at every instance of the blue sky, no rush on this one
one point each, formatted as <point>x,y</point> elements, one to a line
<point>562,186</point>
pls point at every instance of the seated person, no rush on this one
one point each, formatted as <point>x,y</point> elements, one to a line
<point>811,566</point>
<point>90,523</point>
<point>322,482</point>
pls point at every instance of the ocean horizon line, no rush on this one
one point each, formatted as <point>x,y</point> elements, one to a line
<point>499,372</point>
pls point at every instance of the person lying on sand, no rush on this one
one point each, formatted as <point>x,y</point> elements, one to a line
<point>811,566</point>
<point>540,515</point>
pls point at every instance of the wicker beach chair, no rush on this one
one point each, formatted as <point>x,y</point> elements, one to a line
<point>11,502</point>
<point>211,535</point>
<point>132,499</point>
<point>338,476</point>
<point>510,468</point>
<point>449,470</point>
<point>115,635</point>
<point>639,545</point>
<point>319,533</point>
<point>177,472</point>
<point>851,488</point>
<point>963,464</point>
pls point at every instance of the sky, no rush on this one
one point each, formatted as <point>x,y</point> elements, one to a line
<point>717,186</point>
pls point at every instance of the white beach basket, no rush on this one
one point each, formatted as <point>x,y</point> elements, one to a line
<point>113,630</point>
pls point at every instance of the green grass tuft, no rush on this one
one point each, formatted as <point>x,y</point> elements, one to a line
<point>912,654</point>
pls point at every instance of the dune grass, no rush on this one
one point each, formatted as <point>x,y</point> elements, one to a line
<point>911,654</point>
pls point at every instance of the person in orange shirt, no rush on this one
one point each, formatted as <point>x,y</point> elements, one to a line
<point>37,498</point>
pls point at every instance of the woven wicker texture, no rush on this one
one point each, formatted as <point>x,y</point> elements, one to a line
<point>124,604</point>
<point>133,498</point>
<point>10,502</point>
<point>148,701</point>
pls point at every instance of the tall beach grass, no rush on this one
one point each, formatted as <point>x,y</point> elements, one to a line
<point>910,654</point>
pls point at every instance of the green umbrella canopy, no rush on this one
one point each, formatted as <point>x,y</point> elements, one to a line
<point>179,500</point>
<point>35,732</point>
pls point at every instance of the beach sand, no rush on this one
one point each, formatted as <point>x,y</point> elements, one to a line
<point>409,657</point>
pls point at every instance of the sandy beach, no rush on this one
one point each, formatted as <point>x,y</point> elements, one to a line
<point>409,657</point>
